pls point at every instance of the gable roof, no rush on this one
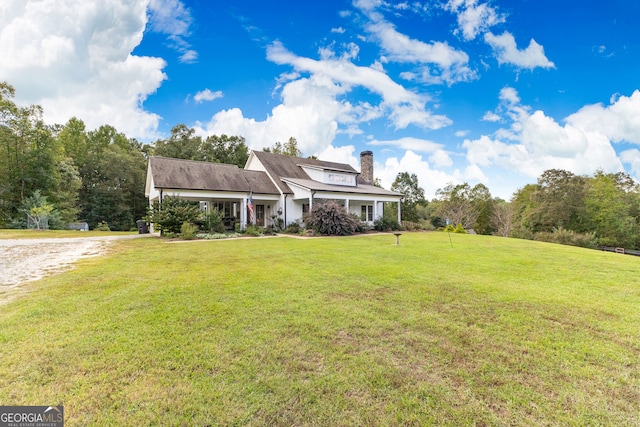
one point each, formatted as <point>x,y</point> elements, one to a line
<point>280,166</point>
<point>194,175</point>
<point>285,169</point>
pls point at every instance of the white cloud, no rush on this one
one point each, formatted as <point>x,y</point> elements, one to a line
<point>340,76</point>
<point>509,95</point>
<point>342,154</point>
<point>309,112</point>
<point>490,116</point>
<point>451,65</point>
<point>428,178</point>
<point>169,17</point>
<point>535,142</point>
<point>172,18</point>
<point>474,18</point>
<point>74,58</point>
<point>207,95</point>
<point>504,46</point>
<point>619,121</point>
<point>632,158</point>
<point>410,143</point>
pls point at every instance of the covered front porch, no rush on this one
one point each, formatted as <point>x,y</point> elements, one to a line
<point>237,209</point>
<point>368,208</point>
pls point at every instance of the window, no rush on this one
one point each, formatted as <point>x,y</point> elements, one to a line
<point>366,212</point>
<point>227,209</point>
<point>305,209</point>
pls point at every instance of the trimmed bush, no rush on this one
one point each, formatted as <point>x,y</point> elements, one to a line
<point>102,226</point>
<point>188,231</point>
<point>329,218</point>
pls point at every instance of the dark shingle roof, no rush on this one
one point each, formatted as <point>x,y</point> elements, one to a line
<point>280,166</point>
<point>189,174</point>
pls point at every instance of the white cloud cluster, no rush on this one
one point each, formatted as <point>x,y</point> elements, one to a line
<point>507,52</point>
<point>448,64</point>
<point>309,112</point>
<point>431,179</point>
<point>438,155</point>
<point>74,58</point>
<point>313,108</point>
<point>475,18</point>
<point>535,142</point>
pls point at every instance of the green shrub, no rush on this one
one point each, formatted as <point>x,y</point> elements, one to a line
<point>568,237</point>
<point>213,221</point>
<point>216,236</point>
<point>188,231</point>
<point>173,212</point>
<point>361,226</point>
<point>386,224</point>
<point>293,228</point>
<point>252,230</point>
<point>608,241</point>
<point>277,223</point>
<point>102,226</point>
<point>457,229</point>
<point>329,218</point>
<point>417,226</point>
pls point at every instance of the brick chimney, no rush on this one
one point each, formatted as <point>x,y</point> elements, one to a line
<point>366,167</point>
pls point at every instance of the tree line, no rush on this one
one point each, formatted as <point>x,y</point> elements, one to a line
<point>54,175</point>
<point>65,173</point>
<point>603,209</point>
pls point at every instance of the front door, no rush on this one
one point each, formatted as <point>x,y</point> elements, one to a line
<point>260,215</point>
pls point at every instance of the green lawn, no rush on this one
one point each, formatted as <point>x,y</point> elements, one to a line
<point>47,234</point>
<point>332,331</point>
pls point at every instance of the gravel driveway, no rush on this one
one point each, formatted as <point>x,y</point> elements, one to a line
<point>25,260</point>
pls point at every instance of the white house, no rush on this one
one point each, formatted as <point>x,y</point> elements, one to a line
<point>272,184</point>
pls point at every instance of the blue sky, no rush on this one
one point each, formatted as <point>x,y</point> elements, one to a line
<point>452,90</point>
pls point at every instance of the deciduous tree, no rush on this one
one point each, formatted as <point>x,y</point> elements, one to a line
<point>289,148</point>
<point>408,185</point>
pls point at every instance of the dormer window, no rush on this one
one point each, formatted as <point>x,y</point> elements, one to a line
<point>330,175</point>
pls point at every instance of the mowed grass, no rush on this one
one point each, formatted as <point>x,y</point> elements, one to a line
<point>49,234</point>
<point>332,331</point>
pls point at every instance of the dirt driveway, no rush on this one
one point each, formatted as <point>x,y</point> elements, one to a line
<point>25,260</point>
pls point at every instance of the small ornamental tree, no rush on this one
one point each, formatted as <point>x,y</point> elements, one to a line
<point>37,210</point>
<point>330,218</point>
<point>172,213</point>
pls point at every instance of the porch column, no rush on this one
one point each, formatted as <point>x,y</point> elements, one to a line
<point>243,214</point>
<point>310,202</point>
<point>346,205</point>
<point>375,210</point>
<point>399,213</point>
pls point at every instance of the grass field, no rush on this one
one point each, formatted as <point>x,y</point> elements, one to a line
<point>332,331</point>
<point>49,234</point>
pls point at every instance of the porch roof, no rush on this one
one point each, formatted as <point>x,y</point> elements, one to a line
<point>359,189</point>
<point>194,175</point>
